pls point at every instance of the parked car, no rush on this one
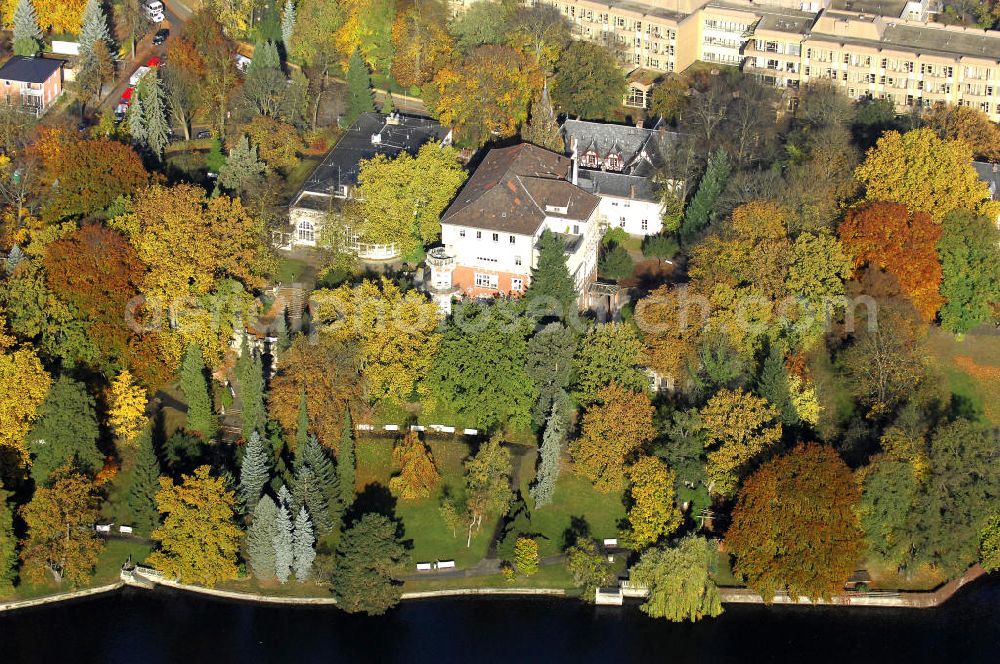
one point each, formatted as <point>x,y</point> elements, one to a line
<point>154,11</point>
<point>160,36</point>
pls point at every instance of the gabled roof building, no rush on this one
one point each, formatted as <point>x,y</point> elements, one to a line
<point>491,230</point>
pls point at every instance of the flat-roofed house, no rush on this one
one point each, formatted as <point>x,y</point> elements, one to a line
<point>336,177</point>
<point>31,84</point>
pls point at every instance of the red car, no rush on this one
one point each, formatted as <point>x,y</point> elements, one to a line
<point>153,62</point>
<point>127,96</point>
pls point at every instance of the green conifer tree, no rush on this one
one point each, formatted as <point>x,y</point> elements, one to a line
<point>255,471</point>
<point>303,541</point>
<point>27,34</point>
<point>359,90</point>
<point>242,166</point>
<point>307,493</point>
<point>313,456</point>
<point>136,120</point>
<point>773,384</point>
<point>701,211</point>
<point>200,418</point>
<point>288,25</point>
<point>284,556</point>
<point>345,460</point>
<point>542,128</point>
<point>261,536</point>
<point>141,498</point>
<point>94,28</point>
<point>250,374</point>
<point>66,429</point>
<point>302,424</point>
<point>552,443</point>
<point>552,287</point>
<point>154,110</point>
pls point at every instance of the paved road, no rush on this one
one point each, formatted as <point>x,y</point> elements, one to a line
<point>143,51</point>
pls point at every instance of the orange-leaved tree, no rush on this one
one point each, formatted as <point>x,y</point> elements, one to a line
<point>904,244</point>
<point>795,525</point>
<point>418,476</point>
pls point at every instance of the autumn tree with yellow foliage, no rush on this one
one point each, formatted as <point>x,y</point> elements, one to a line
<point>738,426</point>
<point>126,407</point>
<point>395,333</point>
<point>418,476</point>
<point>24,384</point>
<point>62,16</point>
<point>653,513</point>
<point>198,539</point>
<point>925,173</point>
<point>613,429</point>
<point>61,541</point>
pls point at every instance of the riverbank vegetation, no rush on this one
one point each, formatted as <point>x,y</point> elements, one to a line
<point>806,399</point>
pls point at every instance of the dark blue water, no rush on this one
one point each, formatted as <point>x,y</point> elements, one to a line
<point>175,628</point>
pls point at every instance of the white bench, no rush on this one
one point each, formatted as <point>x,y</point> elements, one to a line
<point>391,427</point>
<point>103,527</point>
<point>364,427</point>
<point>417,427</point>
<point>611,542</point>
<point>125,530</point>
<point>424,567</point>
<point>445,564</point>
<point>471,432</point>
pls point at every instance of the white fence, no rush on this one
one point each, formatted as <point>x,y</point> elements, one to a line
<point>436,428</point>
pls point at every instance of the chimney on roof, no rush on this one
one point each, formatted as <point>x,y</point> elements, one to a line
<point>631,191</point>
<point>376,139</point>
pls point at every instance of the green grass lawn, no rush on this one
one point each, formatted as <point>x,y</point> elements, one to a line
<point>576,504</point>
<point>109,563</point>
<point>550,576</point>
<point>292,271</point>
<point>971,369</point>
<point>431,538</point>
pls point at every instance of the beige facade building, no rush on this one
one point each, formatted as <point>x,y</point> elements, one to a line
<point>870,48</point>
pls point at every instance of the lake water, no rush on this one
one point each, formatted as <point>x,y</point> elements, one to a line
<point>175,628</point>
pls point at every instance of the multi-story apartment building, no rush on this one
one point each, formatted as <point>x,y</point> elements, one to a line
<point>883,49</point>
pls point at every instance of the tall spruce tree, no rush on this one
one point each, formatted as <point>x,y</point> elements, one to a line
<point>552,444</point>
<point>288,25</point>
<point>701,210</point>
<point>200,418</point>
<point>261,537</point>
<point>552,289</point>
<point>773,384</point>
<point>154,108</point>
<point>542,128</point>
<point>94,28</point>
<point>308,494</point>
<point>250,374</point>
<point>359,89</point>
<point>66,429</point>
<point>345,460</point>
<point>27,35</point>
<point>141,497</point>
<point>284,556</point>
<point>137,121</point>
<point>242,166</point>
<point>303,550</point>
<point>312,455</point>
<point>255,470</point>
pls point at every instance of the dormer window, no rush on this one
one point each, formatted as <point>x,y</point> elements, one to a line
<point>614,162</point>
<point>557,209</point>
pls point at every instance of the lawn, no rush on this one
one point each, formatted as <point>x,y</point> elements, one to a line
<point>431,538</point>
<point>549,576</point>
<point>971,368</point>
<point>109,563</point>
<point>576,508</point>
<point>293,271</point>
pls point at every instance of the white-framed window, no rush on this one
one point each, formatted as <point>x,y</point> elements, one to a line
<point>621,222</point>
<point>576,229</point>
<point>517,260</point>
<point>496,237</point>
<point>461,232</point>
<point>645,224</point>
<point>512,240</point>
<point>307,232</point>
<point>479,235</point>
<point>516,285</point>
<point>486,280</point>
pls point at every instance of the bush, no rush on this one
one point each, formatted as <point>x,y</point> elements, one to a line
<point>616,263</point>
<point>663,247</point>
